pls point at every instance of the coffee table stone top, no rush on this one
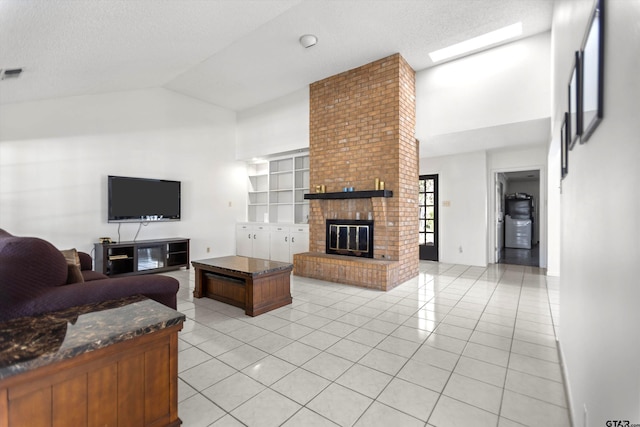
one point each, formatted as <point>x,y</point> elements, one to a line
<point>244,265</point>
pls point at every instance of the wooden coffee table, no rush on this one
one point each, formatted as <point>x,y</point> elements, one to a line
<point>256,285</point>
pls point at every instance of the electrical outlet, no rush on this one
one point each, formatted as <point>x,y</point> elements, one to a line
<point>460,249</point>
<point>208,249</point>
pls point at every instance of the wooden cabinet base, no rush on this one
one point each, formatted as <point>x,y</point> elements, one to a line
<point>256,285</point>
<point>255,296</point>
<point>131,383</point>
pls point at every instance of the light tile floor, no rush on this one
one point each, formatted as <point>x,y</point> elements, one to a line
<point>455,346</point>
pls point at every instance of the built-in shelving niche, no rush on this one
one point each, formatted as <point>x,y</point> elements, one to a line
<point>276,190</point>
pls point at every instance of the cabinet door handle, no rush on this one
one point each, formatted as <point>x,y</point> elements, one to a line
<point>286,239</point>
<point>249,235</point>
<point>293,240</point>
<point>254,236</point>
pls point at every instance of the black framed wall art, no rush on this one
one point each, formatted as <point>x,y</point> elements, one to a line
<point>574,111</point>
<point>592,73</point>
<point>564,147</point>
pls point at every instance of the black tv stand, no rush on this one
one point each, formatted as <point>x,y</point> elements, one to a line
<point>141,257</point>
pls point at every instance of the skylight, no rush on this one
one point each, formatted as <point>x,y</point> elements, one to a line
<point>477,43</point>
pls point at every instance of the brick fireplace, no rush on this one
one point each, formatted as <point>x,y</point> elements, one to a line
<point>362,126</point>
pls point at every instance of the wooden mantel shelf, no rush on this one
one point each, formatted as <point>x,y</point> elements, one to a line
<point>349,195</point>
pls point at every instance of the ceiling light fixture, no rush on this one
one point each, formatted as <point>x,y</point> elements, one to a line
<point>476,43</point>
<point>308,40</point>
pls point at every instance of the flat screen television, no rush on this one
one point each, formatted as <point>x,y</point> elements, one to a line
<point>143,199</point>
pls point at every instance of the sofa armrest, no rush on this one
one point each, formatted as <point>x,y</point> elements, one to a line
<point>86,262</point>
<point>162,289</point>
<point>86,267</point>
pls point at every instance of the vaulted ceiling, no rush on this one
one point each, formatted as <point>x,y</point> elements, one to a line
<point>231,53</point>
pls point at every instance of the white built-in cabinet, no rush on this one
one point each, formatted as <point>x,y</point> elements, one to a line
<point>252,240</point>
<point>276,190</point>
<point>288,240</point>
<point>277,212</point>
<point>299,236</point>
<point>277,242</point>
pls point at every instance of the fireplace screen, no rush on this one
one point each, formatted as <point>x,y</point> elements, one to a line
<point>350,237</point>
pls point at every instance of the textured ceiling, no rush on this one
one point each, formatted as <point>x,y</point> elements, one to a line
<point>235,54</point>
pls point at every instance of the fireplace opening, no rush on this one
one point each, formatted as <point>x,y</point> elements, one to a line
<point>350,237</point>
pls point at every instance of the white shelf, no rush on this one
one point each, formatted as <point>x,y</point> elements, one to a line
<point>258,169</point>
<point>259,198</point>
<point>258,183</point>
<point>302,162</point>
<point>282,165</point>
<point>276,190</point>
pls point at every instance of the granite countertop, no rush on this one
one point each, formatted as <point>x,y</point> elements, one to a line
<point>240,264</point>
<point>31,342</point>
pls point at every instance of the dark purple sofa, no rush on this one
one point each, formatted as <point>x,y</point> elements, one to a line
<point>34,276</point>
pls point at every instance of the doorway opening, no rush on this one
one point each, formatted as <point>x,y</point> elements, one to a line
<point>518,217</point>
<point>428,217</point>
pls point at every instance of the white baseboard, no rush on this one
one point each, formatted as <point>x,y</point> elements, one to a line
<point>565,379</point>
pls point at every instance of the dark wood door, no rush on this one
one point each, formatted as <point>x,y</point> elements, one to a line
<point>428,211</point>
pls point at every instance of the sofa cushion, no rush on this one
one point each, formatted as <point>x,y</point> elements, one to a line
<point>74,275</point>
<point>71,255</point>
<point>73,266</point>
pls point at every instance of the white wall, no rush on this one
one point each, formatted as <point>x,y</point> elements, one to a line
<point>600,201</point>
<point>55,156</point>
<point>553,208</point>
<point>507,84</point>
<point>274,127</point>
<point>463,224</point>
<point>499,208</point>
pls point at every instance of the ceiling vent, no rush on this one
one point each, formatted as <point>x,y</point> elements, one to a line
<point>10,73</point>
